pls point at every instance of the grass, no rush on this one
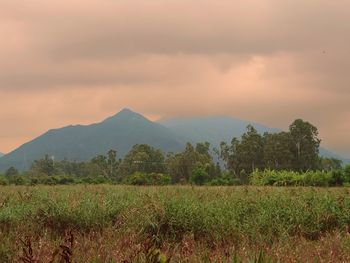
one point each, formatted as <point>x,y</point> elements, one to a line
<point>181,223</point>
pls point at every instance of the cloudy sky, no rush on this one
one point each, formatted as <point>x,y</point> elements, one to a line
<point>79,61</point>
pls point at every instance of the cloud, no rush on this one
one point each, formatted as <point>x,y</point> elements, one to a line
<point>67,62</point>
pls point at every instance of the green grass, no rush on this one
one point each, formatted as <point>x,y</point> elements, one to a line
<point>243,220</point>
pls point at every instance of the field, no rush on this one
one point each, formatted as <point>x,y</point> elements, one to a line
<point>106,223</point>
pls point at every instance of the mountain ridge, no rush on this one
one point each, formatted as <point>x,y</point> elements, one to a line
<point>83,142</point>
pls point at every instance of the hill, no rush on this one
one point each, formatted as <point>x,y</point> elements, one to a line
<point>83,142</point>
<point>1,154</point>
<point>211,129</point>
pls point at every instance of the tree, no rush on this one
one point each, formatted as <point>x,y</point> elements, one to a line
<point>203,148</point>
<point>329,164</point>
<point>277,151</point>
<point>228,154</point>
<point>305,147</point>
<point>199,176</point>
<point>250,150</point>
<point>143,158</point>
<point>245,155</point>
<point>11,172</point>
<point>44,166</point>
<point>347,173</point>
<point>108,165</point>
<point>181,165</point>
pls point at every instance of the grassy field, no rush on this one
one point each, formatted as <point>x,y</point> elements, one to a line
<point>180,223</point>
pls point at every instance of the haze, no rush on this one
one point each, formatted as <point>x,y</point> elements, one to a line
<point>69,62</point>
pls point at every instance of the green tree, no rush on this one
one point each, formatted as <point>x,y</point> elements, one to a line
<point>44,166</point>
<point>143,158</point>
<point>11,172</point>
<point>329,164</point>
<point>199,176</point>
<point>250,150</point>
<point>347,173</point>
<point>277,151</point>
<point>180,166</point>
<point>108,165</point>
<point>245,155</point>
<point>305,147</point>
<point>203,148</point>
<point>228,154</point>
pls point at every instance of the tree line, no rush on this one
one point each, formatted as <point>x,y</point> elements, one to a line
<point>296,150</point>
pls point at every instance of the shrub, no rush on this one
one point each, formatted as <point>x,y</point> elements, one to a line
<point>94,180</point>
<point>347,173</point>
<point>289,178</point>
<point>225,179</point>
<point>139,178</point>
<point>17,180</point>
<point>199,176</point>
<point>3,181</point>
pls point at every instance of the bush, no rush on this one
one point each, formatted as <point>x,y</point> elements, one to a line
<point>289,178</point>
<point>94,180</point>
<point>337,178</point>
<point>225,179</point>
<point>199,176</point>
<point>3,181</point>
<point>17,180</point>
<point>346,173</point>
<point>139,178</point>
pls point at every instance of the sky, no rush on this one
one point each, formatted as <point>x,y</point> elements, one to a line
<point>269,61</point>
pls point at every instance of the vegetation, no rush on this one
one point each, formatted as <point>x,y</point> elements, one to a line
<point>195,224</point>
<point>296,150</point>
<point>309,178</point>
<point>285,158</point>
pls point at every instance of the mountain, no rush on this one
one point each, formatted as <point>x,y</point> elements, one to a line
<point>83,142</point>
<point>211,129</point>
<point>329,154</point>
<point>1,154</point>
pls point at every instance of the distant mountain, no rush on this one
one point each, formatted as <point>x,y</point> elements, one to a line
<point>329,154</point>
<point>211,129</point>
<point>1,154</point>
<point>80,143</point>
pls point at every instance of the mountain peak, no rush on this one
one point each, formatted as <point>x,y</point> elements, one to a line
<point>126,111</point>
<point>125,114</point>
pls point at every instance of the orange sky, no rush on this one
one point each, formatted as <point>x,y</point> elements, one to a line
<point>270,61</point>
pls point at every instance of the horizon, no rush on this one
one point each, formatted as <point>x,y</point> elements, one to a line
<point>267,61</point>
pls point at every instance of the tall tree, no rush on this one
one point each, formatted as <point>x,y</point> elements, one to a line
<point>44,166</point>
<point>203,148</point>
<point>250,150</point>
<point>228,154</point>
<point>305,145</point>
<point>181,165</point>
<point>12,171</point>
<point>278,153</point>
<point>108,164</point>
<point>143,158</point>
